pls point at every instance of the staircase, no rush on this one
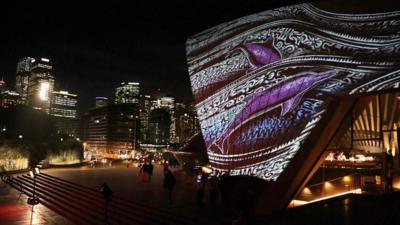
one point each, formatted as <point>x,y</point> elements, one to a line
<point>84,205</point>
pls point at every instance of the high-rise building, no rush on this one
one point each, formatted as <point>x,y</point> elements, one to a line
<point>63,104</point>
<point>186,123</point>
<point>9,99</point>
<point>144,112</point>
<point>63,109</point>
<point>41,84</point>
<point>161,101</point>
<point>22,77</point>
<point>111,129</point>
<point>128,92</point>
<point>159,126</point>
<point>101,101</point>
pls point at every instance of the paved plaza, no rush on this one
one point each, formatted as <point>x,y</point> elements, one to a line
<point>125,183</point>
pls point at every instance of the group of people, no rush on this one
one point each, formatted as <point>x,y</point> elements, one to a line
<point>205,182</point>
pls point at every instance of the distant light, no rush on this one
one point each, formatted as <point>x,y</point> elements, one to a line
<point>78,139</point>
<point>102,98</point>
<point>61,139</point>
<point>45,60</point>
<point>4,129</point>
<point>20,136</point>
<point>33,60</point>
<point>64,92</point>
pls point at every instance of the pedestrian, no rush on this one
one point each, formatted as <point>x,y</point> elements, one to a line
<point>150,169</point>
<point>212,186</point>
<point>169,183</point>
<point>199,180</point>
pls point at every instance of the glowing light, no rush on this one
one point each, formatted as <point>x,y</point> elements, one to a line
<point>45,60</point>
<point>307,191</point>
<point>328,185</point>
<point>296,202</point>
<point>206,169</point>
<point>20,136</point>
<point>347,179</point>
<point>44,91</point>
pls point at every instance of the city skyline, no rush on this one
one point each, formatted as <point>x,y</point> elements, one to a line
<point>95,47</point>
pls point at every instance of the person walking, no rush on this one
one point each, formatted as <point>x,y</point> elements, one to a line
<point>150,169</point>
<point>169,183</point>
<point>212,186</point>
<point>199,185</point>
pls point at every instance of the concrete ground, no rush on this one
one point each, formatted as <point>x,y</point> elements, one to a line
<point>14,210</point>
<point>125,183</point>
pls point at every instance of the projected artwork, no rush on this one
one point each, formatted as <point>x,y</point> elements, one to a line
<point>261,82</point>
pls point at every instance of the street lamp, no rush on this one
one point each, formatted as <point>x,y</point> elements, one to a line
<point>34,200</point>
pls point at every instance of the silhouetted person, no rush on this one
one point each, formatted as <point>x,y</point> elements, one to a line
<point>212,185</point>
<point>200,181</point>
<point>169,183</point>
<point>150,169</point>
<point>389,175</point>
<point>107,194</point>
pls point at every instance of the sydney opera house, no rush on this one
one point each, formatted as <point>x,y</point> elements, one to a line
<point>300,103</point>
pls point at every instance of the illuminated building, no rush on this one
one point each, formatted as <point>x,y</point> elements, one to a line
<point>22,77</point>
<point>144,113</point>
<point>161,101</point>
<point>9,99</point>
<point>63,104</point>
<point>273,89</point>
<point>101,101</point>
<point>186,123</point>
<point>63,109</point>
<point>41,84</point>
<point>111,129</point>
<point>159,126</point>
<point>128,92</point>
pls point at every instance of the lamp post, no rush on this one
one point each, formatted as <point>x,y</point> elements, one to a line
<point>34,200</point>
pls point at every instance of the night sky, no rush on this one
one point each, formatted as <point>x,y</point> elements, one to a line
<point>95,45</point>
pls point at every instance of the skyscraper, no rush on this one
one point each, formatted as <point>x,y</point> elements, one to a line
<point>111,129</point>
<point>63,109</point>
<point>9,99</point>
<point>63,104</point>
<point>101,102</point>
<point>127,93</point>
<point>41,84</point>
<point>22,77</point>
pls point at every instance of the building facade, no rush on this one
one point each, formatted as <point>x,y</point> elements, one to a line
<point>41,85</point>
<point>101,102</point>
<point>111,129</point>
<point>159,127</point>
<point>23,72</point>
<point>64,110</point>
<point>9,99</point>
<point>128,92</point>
